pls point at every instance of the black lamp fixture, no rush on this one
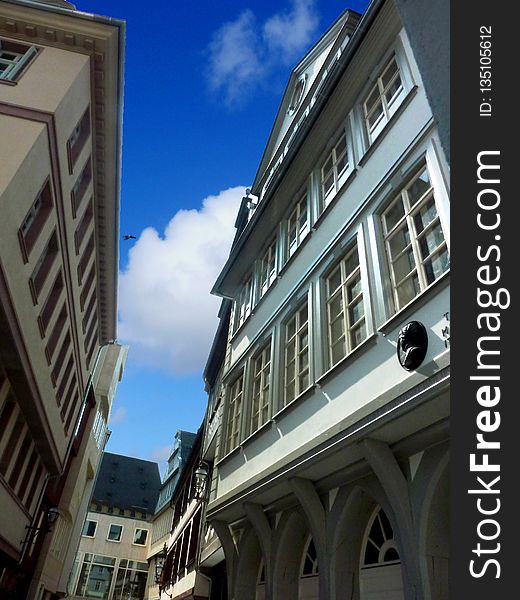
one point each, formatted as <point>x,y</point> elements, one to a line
<point>51,516</point>
<point>200,481</point>
<point>160,563</point>
<point>251,204</point>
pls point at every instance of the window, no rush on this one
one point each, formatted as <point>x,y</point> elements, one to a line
<point>334,170</point>
<point>14,57</point>
<point>96,576</point>
<point>235,394</point>
<point>267,269</point>
<point>43,266</point>
<point>243,304</point>
<point>415,248</point>
<point>383,99</point>
<point>380,545</point>
<point>131,580</point>
<point>140,536</point>
<point>297,226</point>
<point>114,532</point>
<point>35,219</point>
<point>310,560</point>
<point>89,528</point>
<point>261,406</point>
<point>77,138</point>
<point>50,304</point>
<point>345,307</point>
<point>296,354</point>
<point>80,187</point>
<point>296,96</point>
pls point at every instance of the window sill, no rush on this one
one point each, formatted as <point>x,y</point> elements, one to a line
<point>371,149</point>
<point>226,457</point>
<point>369,342</point>
<point>404,313</point>
<point>307,392</point>
<point>326,209</point>
<point>7,82</point>
<point>267,425</point>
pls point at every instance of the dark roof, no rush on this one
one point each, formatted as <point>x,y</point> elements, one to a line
<point>128,483</point>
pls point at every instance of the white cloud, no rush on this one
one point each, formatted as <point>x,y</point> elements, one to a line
<point>242,55</point>
<point>118,416</point>
<point>287,34</point>
<point>166,312</point>
<point>161,454</point>
<point>235,64</point>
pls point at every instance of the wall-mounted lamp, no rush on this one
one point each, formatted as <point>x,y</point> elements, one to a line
<point>160,562</point>
<point>51,516</point>
<point>200,483</point>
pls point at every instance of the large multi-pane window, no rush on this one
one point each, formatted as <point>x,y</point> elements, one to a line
<point>334,169</point>
<point>96,576</point>
<point>297,226</point>
<point>243,304</point>
<point>296,378</point>
<point>383,99</point>
<point>261,397</point>
<point>234,413</point>
<point>131,580</point>
<point>267,269</point>
<point>415,247</point>
<point>345,307</point>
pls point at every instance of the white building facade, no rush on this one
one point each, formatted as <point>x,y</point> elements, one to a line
<point>330,462</point>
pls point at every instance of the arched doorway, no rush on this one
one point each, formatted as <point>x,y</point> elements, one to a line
<point>380,576</point>
<point>308,588</point>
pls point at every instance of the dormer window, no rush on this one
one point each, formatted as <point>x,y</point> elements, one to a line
<point>297,96</point>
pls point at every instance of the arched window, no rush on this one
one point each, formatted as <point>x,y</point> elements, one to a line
<point>310,560</point>
<point>380,546</point>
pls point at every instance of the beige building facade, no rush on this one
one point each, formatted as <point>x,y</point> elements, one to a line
<point>61,77</point>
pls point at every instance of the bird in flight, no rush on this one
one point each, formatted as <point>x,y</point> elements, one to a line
<point>129,237</point>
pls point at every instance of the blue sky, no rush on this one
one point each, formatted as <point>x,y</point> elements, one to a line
<point>203,82</point>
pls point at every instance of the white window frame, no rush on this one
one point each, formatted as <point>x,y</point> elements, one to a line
<point>407,221</point>
<point>17,64</point>
<point>95,528</point>
<point>299,329</point>
<point>243,304</point>
<point>294,226</point>
<point>146,537</point>
<point>120,534</point>
<point>339,176</point>
<point>234,412</point>
<point>267,268</point>
<point>261,387</point>
<point>349,324</point>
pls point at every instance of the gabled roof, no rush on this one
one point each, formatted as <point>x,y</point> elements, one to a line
<point>312,64</point>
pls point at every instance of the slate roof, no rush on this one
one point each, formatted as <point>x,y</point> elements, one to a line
<point>127,483</point>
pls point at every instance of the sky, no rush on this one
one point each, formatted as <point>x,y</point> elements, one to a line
<point>203,83</point>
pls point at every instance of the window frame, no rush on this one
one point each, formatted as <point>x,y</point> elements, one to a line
<point>269,257</point>
<point>118,541</point>
<point>354,243</point>
<point>299,388</point>
<point>95,528</point>
<point>432,193</point>
<point>300,232</point>
<point>18,66</point>
<point>266,387</point>
<point>339,178</point>
<point>235,432</point>
<point>243,305</point>
<point>36,218</point>
<point>145,538</point>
